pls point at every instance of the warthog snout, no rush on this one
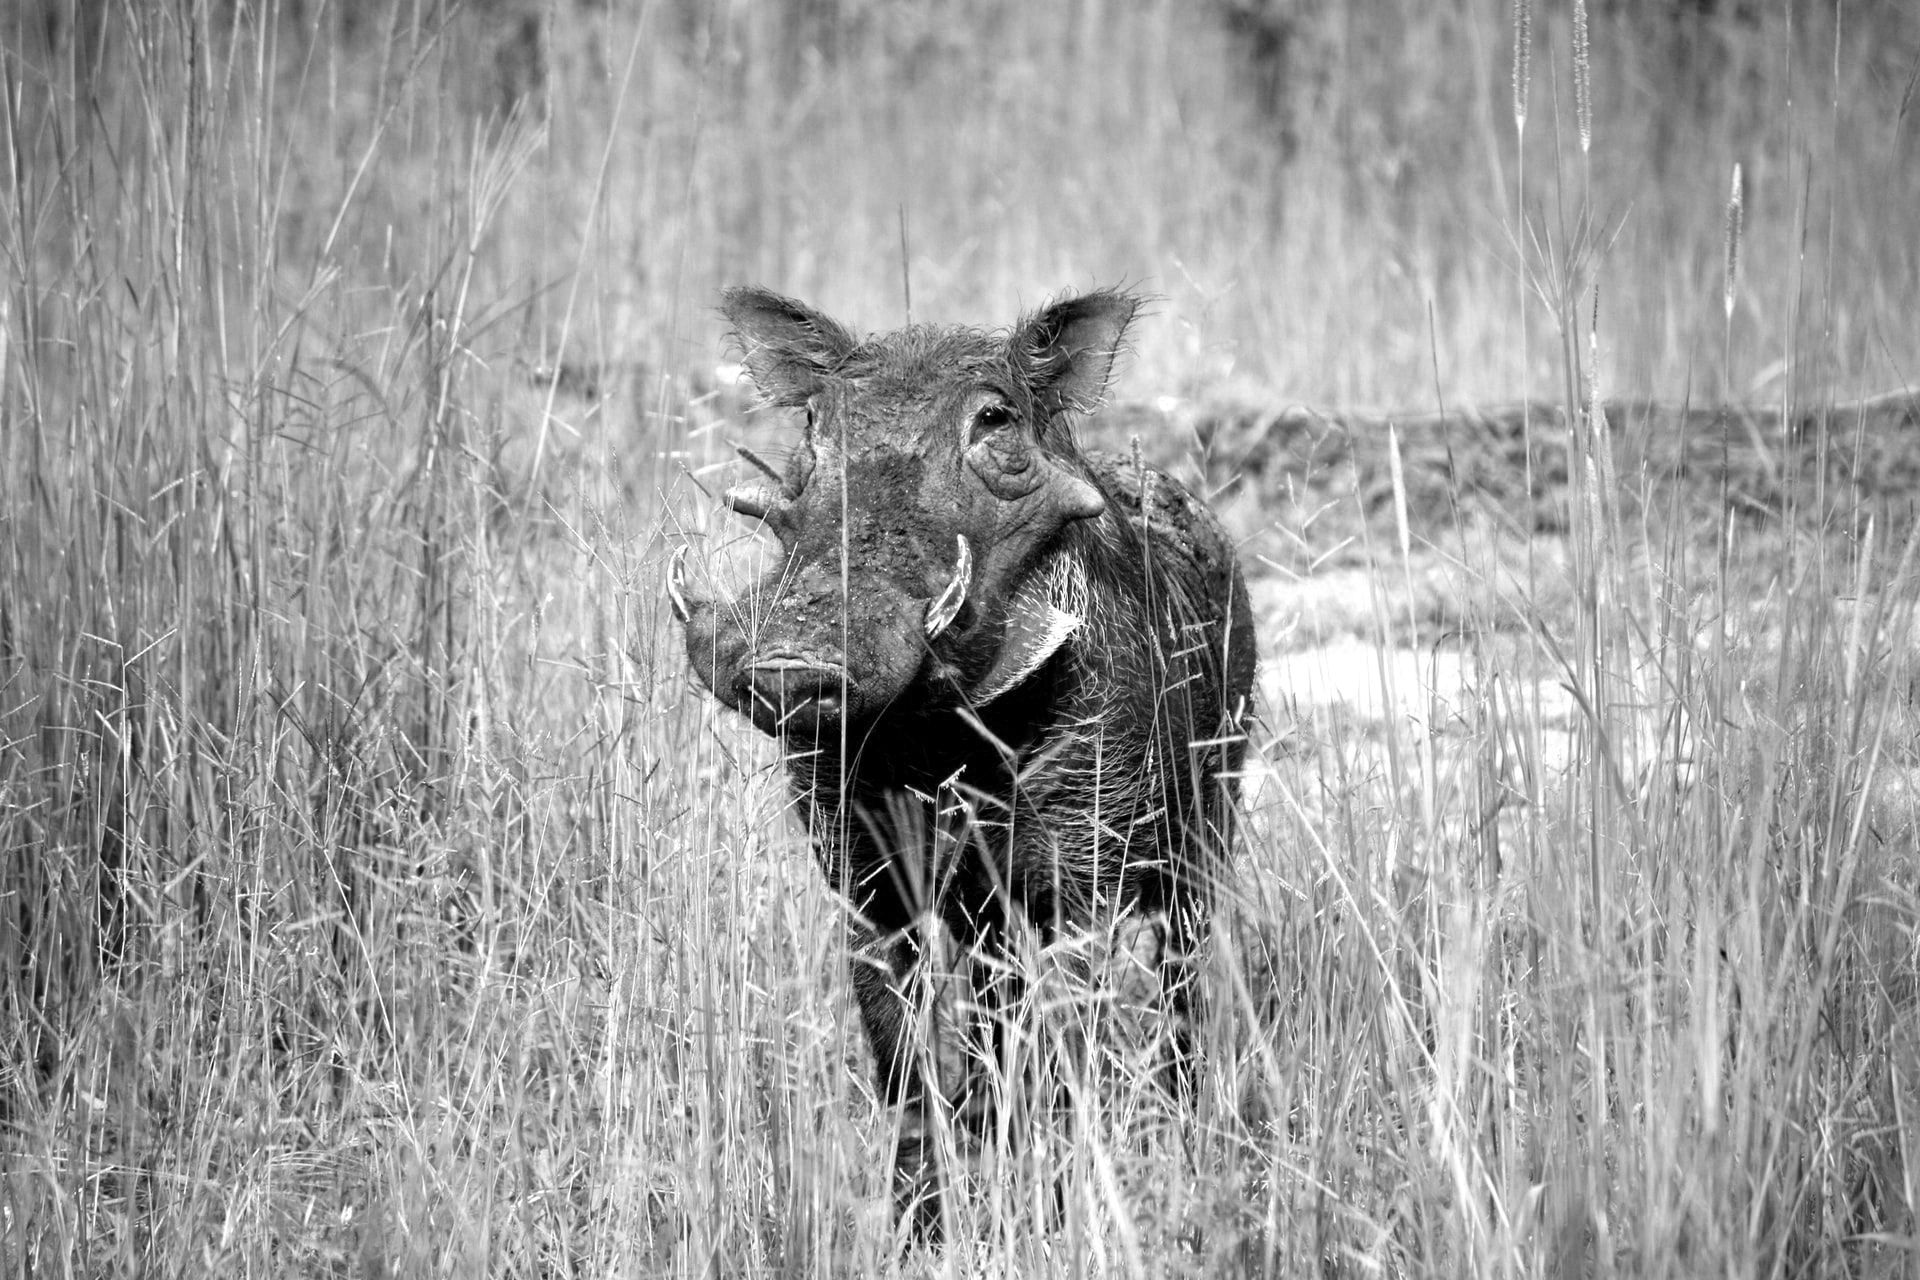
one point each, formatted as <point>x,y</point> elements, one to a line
<point>798,653</point>
<point>790,684</point>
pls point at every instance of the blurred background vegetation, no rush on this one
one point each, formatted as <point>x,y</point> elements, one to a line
<point>1328,198</point>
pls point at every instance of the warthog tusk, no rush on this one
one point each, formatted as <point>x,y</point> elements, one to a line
<point>752,500</point>
<point>941,613</point>
<point>676,579</point>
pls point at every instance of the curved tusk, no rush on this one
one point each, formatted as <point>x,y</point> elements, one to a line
<point>676,584</point>
<point>754,501</point>
<point>942,612</point>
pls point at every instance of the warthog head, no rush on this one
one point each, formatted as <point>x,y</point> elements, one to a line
<point>935,473</point>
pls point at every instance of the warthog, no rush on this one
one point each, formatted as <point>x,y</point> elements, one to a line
<point>1010,677</point>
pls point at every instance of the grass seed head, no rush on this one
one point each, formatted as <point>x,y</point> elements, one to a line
<point>1736,212</point>
<point>1522,61</point>
<point>1582,77</point>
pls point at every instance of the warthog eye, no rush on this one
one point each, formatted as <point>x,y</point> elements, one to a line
<point>989,418</point>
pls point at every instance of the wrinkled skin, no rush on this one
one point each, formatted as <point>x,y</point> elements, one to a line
<point>989,657</point>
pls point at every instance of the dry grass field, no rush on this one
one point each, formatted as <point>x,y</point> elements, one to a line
<point>381,897</point>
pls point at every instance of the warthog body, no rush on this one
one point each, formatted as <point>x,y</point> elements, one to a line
<point>1010,676</point>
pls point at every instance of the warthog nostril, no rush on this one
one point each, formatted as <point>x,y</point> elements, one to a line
<point>783,662</point>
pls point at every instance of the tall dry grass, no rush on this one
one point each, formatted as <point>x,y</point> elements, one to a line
<point>379,899</point>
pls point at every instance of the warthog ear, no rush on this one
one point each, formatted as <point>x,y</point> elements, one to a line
<point>788,346</point>
<point>1067,349</point>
